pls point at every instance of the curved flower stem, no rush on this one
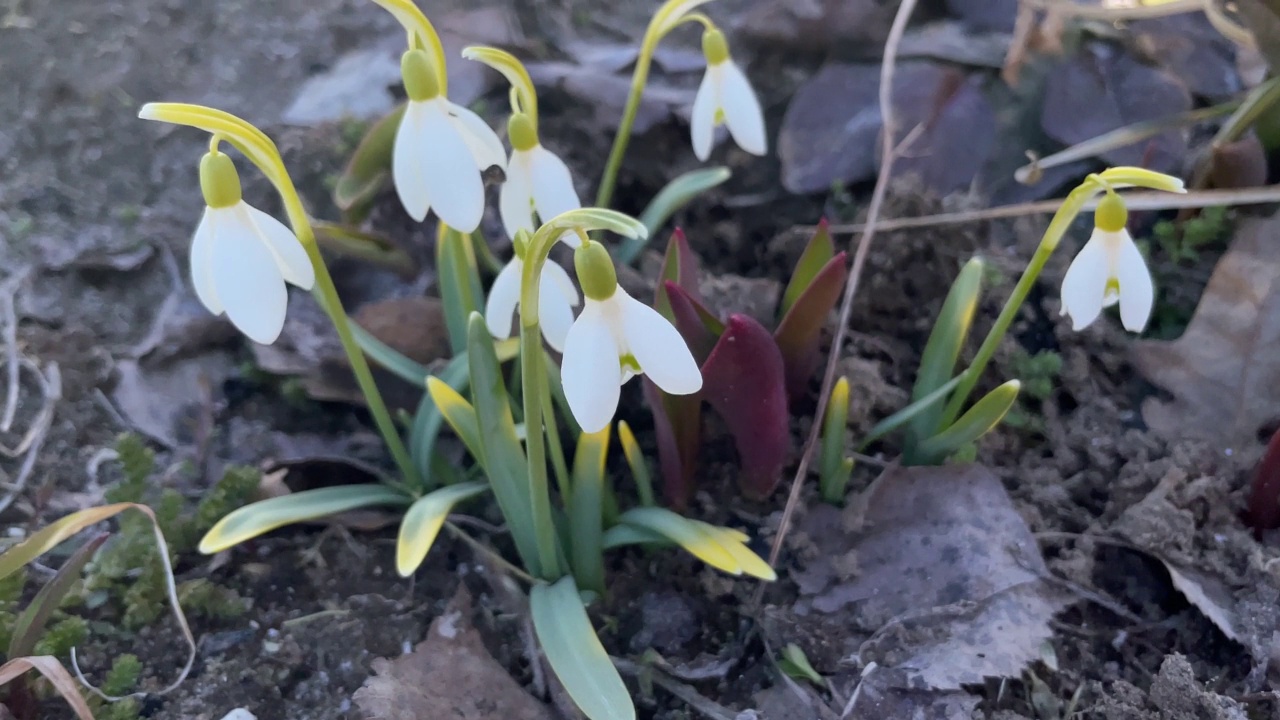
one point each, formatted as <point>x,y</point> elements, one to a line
<point>672,14</point>
<point>1062,220</point>
<point>262,152</point>
<point>535,445</point>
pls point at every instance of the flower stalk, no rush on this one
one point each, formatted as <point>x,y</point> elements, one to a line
<point>262,152</point>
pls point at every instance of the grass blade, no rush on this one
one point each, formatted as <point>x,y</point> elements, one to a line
<point>264,516</point>
<point>423,521</point>
<point>55,673</point>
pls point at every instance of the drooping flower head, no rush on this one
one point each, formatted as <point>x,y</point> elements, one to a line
<point>538,181</point>
<point>441,149</point>
<point>1109,269</point>
<point>615,338</point>
<point>557,297</point>
<point>241,257</point>
<point>725,98</point>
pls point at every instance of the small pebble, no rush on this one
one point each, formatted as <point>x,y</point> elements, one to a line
<point>240,714</point>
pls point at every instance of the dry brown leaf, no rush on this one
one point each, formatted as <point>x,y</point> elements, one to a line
<point>1224,372</point>
<point>449,675</point>
<point>948,586</point>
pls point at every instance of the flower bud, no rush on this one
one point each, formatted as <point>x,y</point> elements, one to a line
<point>520,129</point>
<point>714,46</point>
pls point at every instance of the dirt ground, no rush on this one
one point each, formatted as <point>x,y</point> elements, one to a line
<point>96,211</point>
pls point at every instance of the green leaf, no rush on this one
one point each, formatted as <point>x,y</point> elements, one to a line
<point>29,626</point>
<point>459,414</point>
<point>903,416</point>
<point>575,652</point>
<point>688,534</point>
<point>978,421</point>
<point>459,283</point>
<point>835,467</point>
<point>428,418</point>
<point>369,247</point>
<point>370,165</point>
<point>667,202</point>
<point>423,521</point>
<point>264,516</point>
<point>503,456</point>
<point>586,509</point>
<point>388,358</point>
<point>621,535</point>
<point>795,664</point>
<point>817,253</point>
<point>938,362</point>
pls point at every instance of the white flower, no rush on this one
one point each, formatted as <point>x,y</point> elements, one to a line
<point>440,151</point>
<point>1108,269</point>
<point>557,297</point>
<point>612,340</point>
<point>725,97</point>
<point>241,258</point>
<point>537,180</point>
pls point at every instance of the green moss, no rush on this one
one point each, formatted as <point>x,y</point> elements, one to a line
<point>1039,376</point>
<point>137,462</point>
<point>203,598</point>
<point>126,709</point>
<point>1184,242</point>
<point>11,588</point>
<point>123,675</point>
<point>62,635</point>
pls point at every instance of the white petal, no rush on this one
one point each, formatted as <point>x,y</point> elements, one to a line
<point>515,198</point>
<point>555,275</point>
<point>453,183</point>
<point>553,191</point>
<point>248,282</point>
<point>483,142</point>
<point>658,347</point>
<point>292,259</point>
<point>590,371</point>
<point>702,123</point>
<point>1137,291</point>
<point>1085,283</point>
<point>202,259</point>
<point>408,167</point>
<point>555,314</point>
<point>504,296</point>
<point>742,112</point>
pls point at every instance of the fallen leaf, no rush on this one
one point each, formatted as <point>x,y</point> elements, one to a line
<point>450,674</point>
<point>817,26</point>
<point>162,399</point>
<point>1224,372</point>
<point>831,130</point>
<point>1189,47</point>
<point>605,93</point>
<point>985,14</point>
<point>933,575</point>
<point>1103,88</point>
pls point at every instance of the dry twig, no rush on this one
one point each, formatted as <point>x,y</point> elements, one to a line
<point>889,152</point>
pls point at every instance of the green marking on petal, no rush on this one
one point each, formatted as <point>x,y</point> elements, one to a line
<point>629,362</point>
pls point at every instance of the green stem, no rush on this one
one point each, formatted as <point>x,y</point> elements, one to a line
<point>604,195</point>
<point>535,441</point>
<point>558,463</point>
<point>328,295</point>
<point>1057,228</point>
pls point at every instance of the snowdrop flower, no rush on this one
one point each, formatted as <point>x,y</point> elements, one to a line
<point>1108,269</point>
<point>725,98</point>
<point>615,338</point>
<point>537,181</point>
<point>440,151</point>
<point>241,257</point>
<point>557,297</point>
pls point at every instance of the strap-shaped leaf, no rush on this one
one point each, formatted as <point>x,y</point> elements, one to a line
<point>264,516</point>
<point>675,195</point>
<point>575,652</point>
<point>586,509</point>
<point>817,253</point>
<point>938,361</point>
<point>55,673</point>
<point>427,419</point>
<point>976,422</point>
<point>688,534</point>
<point>29,626</point>
<point>423,521</point>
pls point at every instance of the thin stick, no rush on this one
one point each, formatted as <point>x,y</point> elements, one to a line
<point>1133,200</point>
<point>11,356</point>
<point>694,699</point>
<point>51,388</point>
<point>888,154</point>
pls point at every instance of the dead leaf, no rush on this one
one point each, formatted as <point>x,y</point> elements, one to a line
<point>162,399</point>
<point>1224,372</point>
<point>985,14</point>
<point>1103,88</point>
<point>831,130</point>
<point>877,700</point>
<point>936,579</point>
<point>1190,48</point>
<point>817,26</point>
<point>449,675</point>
